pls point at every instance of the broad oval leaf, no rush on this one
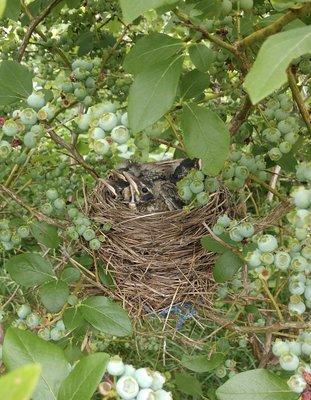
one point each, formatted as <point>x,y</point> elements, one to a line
<point>22,347</point>
<point>45,234</point>
<point>73,318</point>
<point>29,269</point>
<point>54,295</point>
<point>201,56</point>
<point>188,384</point>
<point>269,70</point>
<point>16,82</point>
<point>206,137</point>
<point>83,380</point>
<point>20,384</point>
<point>202,363</point>
<point>258,384</point>
<point>193,84</point>
<point>106,316</point>
<point>153,93</point>
<point>133,9</point>
<point>226,266</point>
<point>10,9</point>
<point>149,50</point>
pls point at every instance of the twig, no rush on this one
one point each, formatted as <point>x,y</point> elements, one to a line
<point>272,299</point>
<point>266,186</point>
<point>32,26</point>
<point>273,182</point>
<point>275,27</point>
<point>241,116</point>
<point>32,211</point>
<point>298,99</point>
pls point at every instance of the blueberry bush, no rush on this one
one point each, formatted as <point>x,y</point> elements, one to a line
<point>88,84</point>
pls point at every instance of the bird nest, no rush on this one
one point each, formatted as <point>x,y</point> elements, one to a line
<point>156,259</point>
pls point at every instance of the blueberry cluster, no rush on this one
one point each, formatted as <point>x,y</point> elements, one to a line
<point>11,237</point>
<point>295,356</point>
<point>238,230</point>
<point>283,128</point>
<point>196,188</point>
<point>139,384</point>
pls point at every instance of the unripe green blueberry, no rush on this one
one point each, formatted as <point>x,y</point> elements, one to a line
<point>30,140</point>
<point>163,395</point>
<point>72,212</point>
<point>146,394</point>
<point>296,287</point>
<point>301,197</point>
<point>124,119</point>
<point>83,122</point>
<point>280,114</point>
<point>90,83</point>
<point>246,229</point>
<point>120,134</point>
<point>280,348</point>
<point>282,260</point>
<point>228,172</point>
<point>10,128</point>
<point>15,239</point>
<point>291,137</point>
<point>221,371</point>
<point>158,381</point>
<point>52,194</point>
<point>211,185</point>
<point>202,198</point>
<point>23,311</point>
<point>5,235</point>
<point>306,252</point>
<point>127,387</point>
<point>67,87</point>
<point>248,161</point>
<point>218,229</point>
<point>253,258</point>
<point>72,233</point>
<point>267,258</point>
<point>223,220</point>
<point>296,305</point>
<point>235,235</point>
<point>80,93</point>
<point>143,377</point>
<point>305,67</point>
<point>44,334</point>
<point>5,149</point>
<point>296,383</point>
<point>306,348</point>
<point>241,172</point>
<point>269,113</point>
<point>23,231</point>
<point>295,348</point>
<point>273,104</point>
<point>108,121</point>
<point>33,320</point>
<point>47,112</point>
<point>275,154</point>
<point>246,5</point>
<point>272,135</point>
<point>196,186</point>
<point>89,234</point>
<point>129,370</point>
<point>285,147</point>
<point>28,116</point>
<point>56,334</point>
<point>80,74</point>
<point>94,244</point>
<point>101,146</point>
<point>235,156</point>
<point>284,127</point>
<point>59,204</point>
<point>289,362</point>
<point>97,133</point>
<point>47,208</point>
<point>267,243</point>
<point>301,233</point>
<point>60,325</point>
<point>36,100</point>
<point>298,263</point>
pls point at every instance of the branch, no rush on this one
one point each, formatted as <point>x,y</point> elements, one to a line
<point>212,38</point>
<point>32,26</point>
<point>32,211</point>
<point>241,116</point>
<point>299,99</point>
<point>269,188</point>
<point>275,27</point>
<point>72,151</point>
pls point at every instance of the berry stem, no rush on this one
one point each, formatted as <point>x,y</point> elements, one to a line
<point>273,301</point>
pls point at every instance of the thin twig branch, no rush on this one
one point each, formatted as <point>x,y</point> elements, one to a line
<point>241,116</point>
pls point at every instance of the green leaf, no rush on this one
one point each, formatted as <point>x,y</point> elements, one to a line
<point>73,318</point>
<point>10,9</point>
<point>202,363</point>
<point>70,275</point>
<point>85,42</point>
<point>188,384</point>
<point>20,384</point>
<point>153,93</point>
<point>210,244</point>
<point>201,56</point>
<point>193,84</point>
<point>23,347</point>
<point>226,266</point>
<point>268,73</point>
<point>133,9</point>
<point>29,269</point>
<point>258,384</point>
<point>45,234</point>
<point>16,82</point>
<point>83,380</point>
<point>106,316</point>
<point>150,50</point>
<point>54,295</point>
<point>206,137</point>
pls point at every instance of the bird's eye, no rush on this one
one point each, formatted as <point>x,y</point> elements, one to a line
<point>144,190</point>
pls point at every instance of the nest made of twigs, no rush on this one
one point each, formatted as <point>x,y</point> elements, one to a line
<point>157,259</point>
